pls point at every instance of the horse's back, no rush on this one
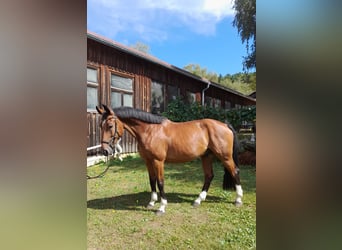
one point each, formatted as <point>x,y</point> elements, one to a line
<point>185,140</point>
<point>189,140</point>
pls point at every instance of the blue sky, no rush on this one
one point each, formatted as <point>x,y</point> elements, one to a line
<point>178,32</point>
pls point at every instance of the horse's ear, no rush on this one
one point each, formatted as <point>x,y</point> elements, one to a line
<point>108,109</point>
<point>100,110</point>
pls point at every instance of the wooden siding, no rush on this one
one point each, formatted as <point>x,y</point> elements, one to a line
<point>128,143</point>
<point>93,136</point>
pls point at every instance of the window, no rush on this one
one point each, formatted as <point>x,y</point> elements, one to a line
<point>157,97</point>
<point>227,105</point>
<point>217,103</point>
<point>190,97</point>
<point>123,83</point>
<point>116,99</point>
<point>208,101</point>
<point>121,91</point>
<point>172,93</point>
<point>92,86</point>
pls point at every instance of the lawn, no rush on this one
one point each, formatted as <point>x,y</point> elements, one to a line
<point>117,217</point>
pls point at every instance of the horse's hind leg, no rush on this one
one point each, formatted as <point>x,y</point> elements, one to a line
<point>207,165</point>
<point>233,171</point>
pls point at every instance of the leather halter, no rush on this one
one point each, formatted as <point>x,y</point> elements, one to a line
<point>115,136</point>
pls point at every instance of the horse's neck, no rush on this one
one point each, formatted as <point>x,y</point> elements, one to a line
<point>136,128</point>
<point>130,130</point>
<point>132,126</point>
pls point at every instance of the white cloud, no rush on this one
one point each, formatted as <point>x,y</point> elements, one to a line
<point>151,19</point>
<point>218,8</point>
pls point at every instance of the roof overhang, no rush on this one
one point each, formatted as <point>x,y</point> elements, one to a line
<point>152,59</point>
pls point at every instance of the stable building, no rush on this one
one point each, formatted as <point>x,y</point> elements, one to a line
<point>118,75</point>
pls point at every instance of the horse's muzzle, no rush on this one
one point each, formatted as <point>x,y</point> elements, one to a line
<point>107,151</point>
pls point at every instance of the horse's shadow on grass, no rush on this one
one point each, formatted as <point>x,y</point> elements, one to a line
<point>138,201</point>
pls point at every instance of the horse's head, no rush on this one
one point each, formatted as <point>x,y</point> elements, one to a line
<point>111,129</point>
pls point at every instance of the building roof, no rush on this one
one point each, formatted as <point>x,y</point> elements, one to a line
<point>253,94</point>
<point>150,58</point>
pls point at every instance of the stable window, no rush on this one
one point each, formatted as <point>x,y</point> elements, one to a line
<point>157,98</point>
<point>172,93</point>
<point>190,97</point>
<point>92,88</point>
<point>208,101</point>
<point>217,103</point>
<point>121,91</point>
<point>227,105</point>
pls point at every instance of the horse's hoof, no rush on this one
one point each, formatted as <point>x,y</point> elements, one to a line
<point>195,204</point>
<point>159,212</point>
<point>238,204</point>
<point>149,206</point>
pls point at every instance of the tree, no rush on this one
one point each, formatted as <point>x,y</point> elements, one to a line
<point>196,69</point>
<point>244,83</point>
<point>141,47</point>
<point>245,22</point>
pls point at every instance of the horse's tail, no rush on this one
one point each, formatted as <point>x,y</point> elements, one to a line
<point>228,180</point>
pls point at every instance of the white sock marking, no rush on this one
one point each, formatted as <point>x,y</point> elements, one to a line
<point>154,198</point>
<point>239,193</point>
<point>163,205</point>
<point>201,197</point>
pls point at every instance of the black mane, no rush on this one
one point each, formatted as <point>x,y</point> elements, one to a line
<point>128,112</point>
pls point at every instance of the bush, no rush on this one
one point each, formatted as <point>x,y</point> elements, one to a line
<point>179,111</point>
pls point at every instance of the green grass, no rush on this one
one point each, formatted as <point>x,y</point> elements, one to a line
<point>118,219</point>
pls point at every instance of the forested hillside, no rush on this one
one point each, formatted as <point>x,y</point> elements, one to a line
<point>244,83</point>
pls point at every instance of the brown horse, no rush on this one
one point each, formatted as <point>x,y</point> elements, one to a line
<point>161,140</point>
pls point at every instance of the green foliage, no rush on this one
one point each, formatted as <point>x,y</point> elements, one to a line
<point>244,83</point>
<point>196,69</point>
<point>141,47</point>
<point>179,111</point>
<point>245,22</point>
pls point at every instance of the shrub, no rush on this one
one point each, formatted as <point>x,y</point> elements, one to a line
<point>179,111</point>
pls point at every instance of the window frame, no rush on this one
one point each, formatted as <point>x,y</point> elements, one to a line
<point>95,85</point>
<point>189,94</point>
<point>217,103</point>
<point>166,92</point>
<point>227,105</point>
<point>121,91</point>
<point>163,94</point>
<point>237,106</point>
<point>208,101</point>
<point>168,97</point>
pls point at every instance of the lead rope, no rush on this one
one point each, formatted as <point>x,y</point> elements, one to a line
<point>116,154</point>
<point>107,163</point>
<point>101,174</point>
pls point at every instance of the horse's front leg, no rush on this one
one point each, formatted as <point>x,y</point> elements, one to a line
<point>159,167</point>
<point>153,181</point>
<point>163,200</point>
